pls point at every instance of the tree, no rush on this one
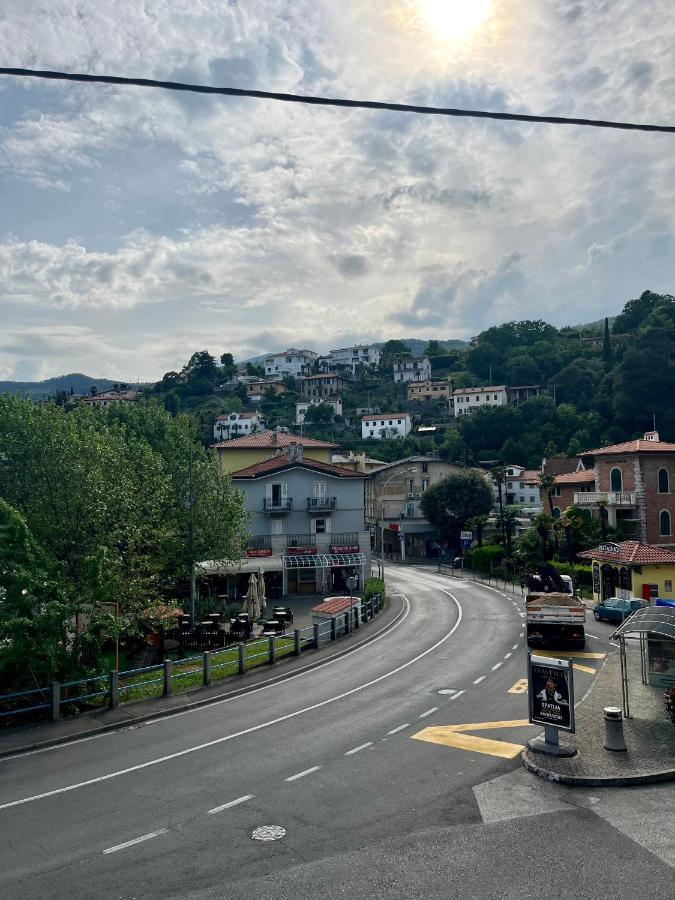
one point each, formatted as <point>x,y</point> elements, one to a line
<point>320,414</point>
<point>433,348</point>
<point>547,485</point>
<point>498,475</point>
<point>201,367</point>
<point>477,524</point>
<point>227,360</point>
<point>172,403</point>
<point>607,355</point>
<point>449,504</point>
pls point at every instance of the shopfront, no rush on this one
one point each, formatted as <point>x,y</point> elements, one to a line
<point>631,569</point>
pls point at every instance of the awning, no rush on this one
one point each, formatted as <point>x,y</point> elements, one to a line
<point>650,620</point>
<point>242,566</point>
<point>323,560</point>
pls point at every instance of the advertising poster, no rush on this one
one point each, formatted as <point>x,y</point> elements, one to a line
<point>661,671</point>
<point>551,693</point>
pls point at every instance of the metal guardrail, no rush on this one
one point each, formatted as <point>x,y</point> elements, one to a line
<point>57,694</point>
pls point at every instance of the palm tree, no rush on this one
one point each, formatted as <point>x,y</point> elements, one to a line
<point>547,484</point>
<point>477,524</point>
<point>498,474</point>
<point>507,521</point>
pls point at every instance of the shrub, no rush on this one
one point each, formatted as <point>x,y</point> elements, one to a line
<point>669,700</point>
<point>372,587</point>
<point>581,575</point>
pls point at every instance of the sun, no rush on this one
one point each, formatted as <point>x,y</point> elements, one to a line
<point>453,20</point>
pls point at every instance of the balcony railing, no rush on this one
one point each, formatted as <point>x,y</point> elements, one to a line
<point>321,504</point>
<point>277,506</point>
<point>610,498</point>
<point>301,540</point>
<point>344,538</point>
<point>259,545</point>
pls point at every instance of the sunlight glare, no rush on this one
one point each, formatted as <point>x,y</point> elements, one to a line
<point>454,19</point>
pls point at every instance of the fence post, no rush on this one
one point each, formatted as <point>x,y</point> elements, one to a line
<point>333,629</point>
<point>356,613</point>
<point>55,700</point>
<point>207,669</point>
<point>167,677</point>
<point>317,636</point>
<point>296,641</point>
<point>114,698</point>
<point>272,655</point>
<point>242,659</point>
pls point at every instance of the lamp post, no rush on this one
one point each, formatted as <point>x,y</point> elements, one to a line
<point>391,478</point>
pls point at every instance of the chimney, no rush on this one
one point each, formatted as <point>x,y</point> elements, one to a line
<point>274,438</point>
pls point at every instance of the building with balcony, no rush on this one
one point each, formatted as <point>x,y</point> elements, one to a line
<point>393,513</point>
<point>257,389</point>
<point>520,393</point>
<point>385,426</point>
<point>302,407</point>
<point>246,451</point>
<point>634,482</point>
<point>406,370</point>
<point>429,390</point>
<point>350,358</point>
<point>468,400</point>
<point>307,524</point>
<point>568,487</point>
<point>320,387</point>
<point>237,424</point>
<point>290,362</point>
<point>520,488</point>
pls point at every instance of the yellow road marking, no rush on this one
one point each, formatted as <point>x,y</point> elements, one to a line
<point>573,654</point>
<point>520,687</point>
<point>450,736</point>
<point>584,668</point>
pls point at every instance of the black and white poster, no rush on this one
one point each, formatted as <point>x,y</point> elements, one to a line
<point>551,693</point>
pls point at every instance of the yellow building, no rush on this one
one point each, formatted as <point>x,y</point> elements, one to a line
<point>254,448</point>
<point>429,390</point>
<point>641,569</point>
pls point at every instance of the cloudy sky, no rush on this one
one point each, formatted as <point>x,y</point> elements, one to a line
<point>139,225</point>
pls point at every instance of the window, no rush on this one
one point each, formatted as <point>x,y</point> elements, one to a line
<point>425,467</point>
<point>425,484</point>
<point>320,526</point>
<point>277,526</point>
<point>521,499</point>
<point>398,421</point>
<point>495,396</point>
<point>532,500</point>
<point>615,480</point>
<point>664,481</point>
<point>411,485</point>
<point>664,523</point>
<point>522,485</point>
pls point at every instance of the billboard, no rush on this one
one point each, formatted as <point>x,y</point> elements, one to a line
<point>551,692</point>
<point>661,668</point>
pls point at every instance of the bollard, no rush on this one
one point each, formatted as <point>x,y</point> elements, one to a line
<point>207,669</point>
<point>614,739</point>
<point>167,677</point>
<point>296,641</point>
<point>317,635</point>
<point>272,650</point>
<point>114,697</point>
<point>242,659</point>
<point>55,700</point>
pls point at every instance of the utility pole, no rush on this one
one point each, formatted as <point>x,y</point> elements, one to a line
<point>191,534</point>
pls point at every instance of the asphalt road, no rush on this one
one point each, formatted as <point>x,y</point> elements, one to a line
<point>335,757</point>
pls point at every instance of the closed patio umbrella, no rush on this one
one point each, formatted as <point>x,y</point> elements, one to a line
<point>251,598</point>
<point>262,598</point>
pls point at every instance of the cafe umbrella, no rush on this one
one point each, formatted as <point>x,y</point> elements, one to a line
<point>251,597</point>
<point>262,598</point>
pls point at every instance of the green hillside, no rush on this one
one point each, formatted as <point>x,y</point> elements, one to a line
<point>40,390</point>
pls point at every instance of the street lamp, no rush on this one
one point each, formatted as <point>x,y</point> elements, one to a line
<point>391,478</point>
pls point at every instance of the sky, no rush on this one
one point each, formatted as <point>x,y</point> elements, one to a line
<point>137,226</point>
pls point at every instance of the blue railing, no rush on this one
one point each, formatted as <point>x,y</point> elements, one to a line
<point>109,687</point>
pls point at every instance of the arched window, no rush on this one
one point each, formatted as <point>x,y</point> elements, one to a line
<point>615,480</point>
<point>556,512</point>
<point>664,481</point>
<point>664,523</point>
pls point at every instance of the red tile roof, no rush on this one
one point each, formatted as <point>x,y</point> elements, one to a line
<point>283,461</point>
<point>385,416</point>
<point>530,475</point>
<point>271,440</point>
<point>560,465</point>
<point>335,605</point>
<point>633,553</point>
<point>585,477</point>
<point>636,446</point>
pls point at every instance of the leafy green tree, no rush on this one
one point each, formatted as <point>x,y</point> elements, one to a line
<point>449,504</point>
<point>453,449</point>
<point>320,414</point>
<point>433,348</point>
<point>607,355</point>
<point>547,486</point>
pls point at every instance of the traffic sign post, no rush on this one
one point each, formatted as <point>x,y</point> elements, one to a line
<point>551,702</point>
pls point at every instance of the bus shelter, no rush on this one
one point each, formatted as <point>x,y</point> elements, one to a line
<point>654,627</point>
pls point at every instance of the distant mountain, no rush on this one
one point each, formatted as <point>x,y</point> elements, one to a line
<point>415,345</point>
<point>38,390</point>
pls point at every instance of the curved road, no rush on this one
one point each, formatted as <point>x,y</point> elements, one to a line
<point>169,808</point>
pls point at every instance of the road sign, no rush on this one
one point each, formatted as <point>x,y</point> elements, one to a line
<point>551,692</point>
<point>466,535</point>
<point>394,526</point>
<point>466,543</point>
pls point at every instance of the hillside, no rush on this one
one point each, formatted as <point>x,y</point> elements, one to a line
<point>39,390</point>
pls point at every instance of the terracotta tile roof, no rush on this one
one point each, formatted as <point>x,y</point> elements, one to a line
<point>636,446</point>
<point>385,416</point>
<point>335,606</point>
<point>272,440</point>
<point>633,553</point>
<point>560,465</point>
<point>283,461</point>
<point>531,475</point>
<point>585,477</point>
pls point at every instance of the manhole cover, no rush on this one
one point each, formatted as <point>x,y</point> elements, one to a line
<point>268,833</point>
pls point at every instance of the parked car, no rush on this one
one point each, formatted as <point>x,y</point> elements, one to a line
<point>614,609</point>
<point>283,614</point>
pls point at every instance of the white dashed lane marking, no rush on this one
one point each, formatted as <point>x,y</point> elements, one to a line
<point>496,666</point>
<point>507,655</point>
<point>138,840</point>
<point>478,680</point>
<point>217,809</point>
<point>399,728</point>
<point>359,748</point>
<point>458,694</point>
<point>302,774</point>
<point>428,712</point>
<point>515,646</point>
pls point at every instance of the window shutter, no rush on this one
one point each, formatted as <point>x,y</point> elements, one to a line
<point>268,491</point>
<point>284,490</point>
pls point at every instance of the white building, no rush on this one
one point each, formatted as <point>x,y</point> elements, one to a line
<point>302,407</point>
<point>351,357</point>
<point>291,362</point>
<point>520,488</point>
<point>412,369</point>
<point>233,425</point>
<point>468,400</point>
<point>386,425</point>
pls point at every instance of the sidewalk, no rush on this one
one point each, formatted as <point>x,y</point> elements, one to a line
<point>39,735</point>
<point>649,736</point>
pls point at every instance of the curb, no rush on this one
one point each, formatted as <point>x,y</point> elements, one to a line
<point>589,781</point>
<point>196,704</point>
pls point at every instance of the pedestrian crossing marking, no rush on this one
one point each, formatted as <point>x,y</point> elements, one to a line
<point>456,736</point>
<point>520,687</point>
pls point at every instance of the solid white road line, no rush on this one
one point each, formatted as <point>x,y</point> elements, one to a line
<point>138,840</point>
<point>229,737</point>
<point>400,728</point>
<point>428,712</point>
<point>302,774</point>
<point>496,666</point>
<point>217,809</point>
<point>458,694</point>
<point>477,681</point>
<point>359,748</point>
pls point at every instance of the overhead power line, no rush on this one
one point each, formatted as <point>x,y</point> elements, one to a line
<point>331,101</point>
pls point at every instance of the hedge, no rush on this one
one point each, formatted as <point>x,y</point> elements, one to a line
<point>581,575</point>
<point>372,587</point>
<point>484,558</point>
